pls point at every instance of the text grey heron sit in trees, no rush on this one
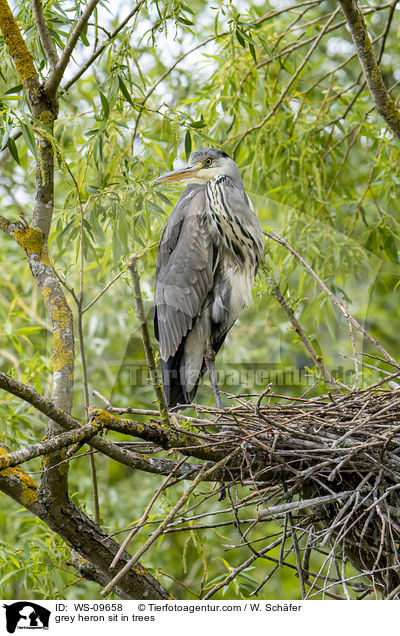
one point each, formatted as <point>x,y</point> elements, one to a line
<point>207,260</point>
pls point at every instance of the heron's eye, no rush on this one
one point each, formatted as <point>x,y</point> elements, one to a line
<point>208,162</point>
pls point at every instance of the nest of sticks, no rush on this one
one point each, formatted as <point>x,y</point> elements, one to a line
<point>327,469</point>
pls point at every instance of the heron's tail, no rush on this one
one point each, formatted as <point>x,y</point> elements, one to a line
<point>173,371</point>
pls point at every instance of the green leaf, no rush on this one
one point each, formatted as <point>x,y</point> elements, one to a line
<point>11,145</point>
<point>240,39</point>
<point>188,144</point>
<point>125,91</point>
<point>198,124</point>
<point>29,138</point>
<point>14,89</point>
<point>247,37</point>
<point>185,21</point>
<point>104,105</point>
<point>84,36</point>
<point>9,575</point>
<point>163,198</point>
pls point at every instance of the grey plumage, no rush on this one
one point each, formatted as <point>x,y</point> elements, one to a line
<point>207,259</point>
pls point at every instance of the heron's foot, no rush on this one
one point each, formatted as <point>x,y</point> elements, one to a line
<point>210,353</point>
<point>210,363</point>
<point>222,491</point>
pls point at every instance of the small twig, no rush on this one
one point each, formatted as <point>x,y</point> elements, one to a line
<point>159,393</point>
<point>103,291</point>
<point>294,506</point>
<point>144,517</point>
<point>275,237</point>
<point>298,557</point>
<point>317,359</point>
<point>154,536</point>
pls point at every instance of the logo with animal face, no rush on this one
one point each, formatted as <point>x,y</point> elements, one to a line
<point>26,615</point>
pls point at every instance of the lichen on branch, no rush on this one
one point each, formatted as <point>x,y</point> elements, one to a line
<point>384,104</point>
<point>23,59</point>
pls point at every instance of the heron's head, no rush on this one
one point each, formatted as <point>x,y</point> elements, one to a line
<point>204,165</point>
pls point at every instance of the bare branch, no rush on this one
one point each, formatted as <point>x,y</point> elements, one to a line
<point>125,457</point>
<point>275,237</point>
<point>188,443</point>
<point>145,515</point>
<point>159,393</point>
<point>294,506</point>
<point>103,291</point>
<point>44,33</point>
<point>317,359</point>
<point>386,30</point>
<point>57,73</point>
<point>205,471</point>
<point>384,104</point>
<point>45,448</point>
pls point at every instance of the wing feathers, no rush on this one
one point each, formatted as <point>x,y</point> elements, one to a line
<point>184,274</point>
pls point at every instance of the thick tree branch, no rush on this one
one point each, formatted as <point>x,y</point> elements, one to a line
<point>41,449</point>
<point>5,225</point>
<point>31,396</point>
<point>125,457</point>
<point>57,73</point>
<point>42,108</point>
<point>91,572</point>
<point>35,246</point>
<point>34,242</point>
<point>85,536</point>
<point>384,104</point>
<point>44,33</point>
<point>183,441</point>
<point>23,59</point>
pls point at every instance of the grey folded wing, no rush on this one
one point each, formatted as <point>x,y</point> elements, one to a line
<point>184,272</point>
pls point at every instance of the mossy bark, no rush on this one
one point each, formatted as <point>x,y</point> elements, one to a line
<point>384,104</point>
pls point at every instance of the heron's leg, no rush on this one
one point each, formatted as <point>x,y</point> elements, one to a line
<point>210,363</point>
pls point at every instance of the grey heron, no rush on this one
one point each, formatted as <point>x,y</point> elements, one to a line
<point>207,260</point>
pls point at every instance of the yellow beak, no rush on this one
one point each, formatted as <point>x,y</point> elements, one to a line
<point>179,175</point>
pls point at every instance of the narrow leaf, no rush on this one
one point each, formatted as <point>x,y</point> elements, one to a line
<point>105,105</point>
<point>29,138</point>
<point>11,145</point>
<point>125,91</point>
<point>188,144</point>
